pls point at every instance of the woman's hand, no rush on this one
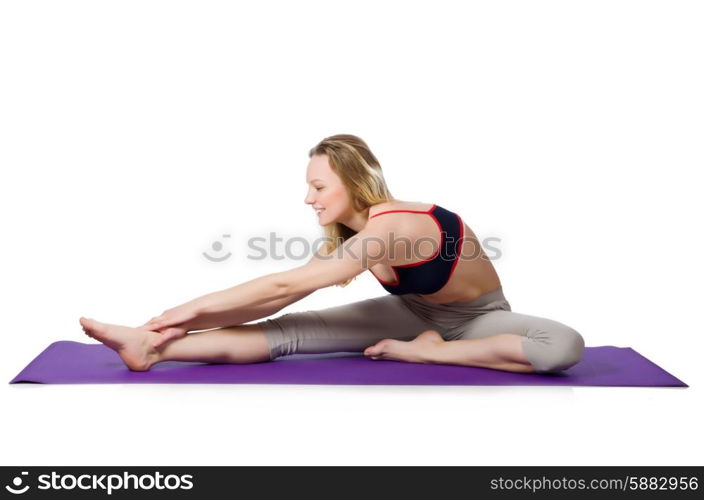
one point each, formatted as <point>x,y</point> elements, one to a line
<point>173,317</point>
<point>172,323</point>
<point>170,333</point>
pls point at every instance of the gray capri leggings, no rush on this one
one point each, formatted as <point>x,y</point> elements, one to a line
<point>550,346</point>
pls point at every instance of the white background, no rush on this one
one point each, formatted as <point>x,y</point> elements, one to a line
<point>134,134</point>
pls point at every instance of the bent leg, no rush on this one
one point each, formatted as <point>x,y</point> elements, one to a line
<point>549,346</point>
<point>499,352</point>
<point>345,328</point>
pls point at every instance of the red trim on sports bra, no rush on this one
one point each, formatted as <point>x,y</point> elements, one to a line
<point>457,252</point>
<point>413,211</point>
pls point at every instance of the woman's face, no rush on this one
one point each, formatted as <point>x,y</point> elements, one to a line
<point>326,191</point>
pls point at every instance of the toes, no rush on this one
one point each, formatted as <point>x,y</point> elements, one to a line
<point>373,350</point>
<point>90,326</point>
<point>86,322</point>
<point>378,349</point>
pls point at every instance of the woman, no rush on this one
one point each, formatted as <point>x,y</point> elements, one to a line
<point>445,302</point>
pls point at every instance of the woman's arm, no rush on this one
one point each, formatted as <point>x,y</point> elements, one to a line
<point>206,320</point>
<point>208,316</point>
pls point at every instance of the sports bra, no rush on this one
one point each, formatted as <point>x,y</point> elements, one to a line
<point>430,275</point>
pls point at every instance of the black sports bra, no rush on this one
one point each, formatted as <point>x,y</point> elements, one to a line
<point>432,274</point>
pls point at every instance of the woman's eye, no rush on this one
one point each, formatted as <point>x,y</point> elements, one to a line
<point>318,189</point>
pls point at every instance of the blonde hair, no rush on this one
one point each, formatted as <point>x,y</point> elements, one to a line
<point>352,160</point>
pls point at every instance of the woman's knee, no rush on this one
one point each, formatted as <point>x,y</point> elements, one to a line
<point>554,350</point>
<point>285,333</point>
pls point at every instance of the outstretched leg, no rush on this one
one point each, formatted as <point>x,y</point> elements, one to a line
<point>349,327</point>
<point>236,344</point>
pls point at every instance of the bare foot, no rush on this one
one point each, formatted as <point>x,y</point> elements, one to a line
<point>413,351</point>
<point>132,344</point>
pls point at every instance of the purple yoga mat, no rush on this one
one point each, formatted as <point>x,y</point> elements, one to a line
<point>68,362</point>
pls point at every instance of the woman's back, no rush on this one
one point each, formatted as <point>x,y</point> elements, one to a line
<point>472,275</point>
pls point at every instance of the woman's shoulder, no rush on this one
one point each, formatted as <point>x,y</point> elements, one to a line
<point>387,206</point>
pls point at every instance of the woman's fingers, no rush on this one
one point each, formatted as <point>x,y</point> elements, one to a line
<point>171,317</point>
<point>152,324</point>
<point>169,334</point>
